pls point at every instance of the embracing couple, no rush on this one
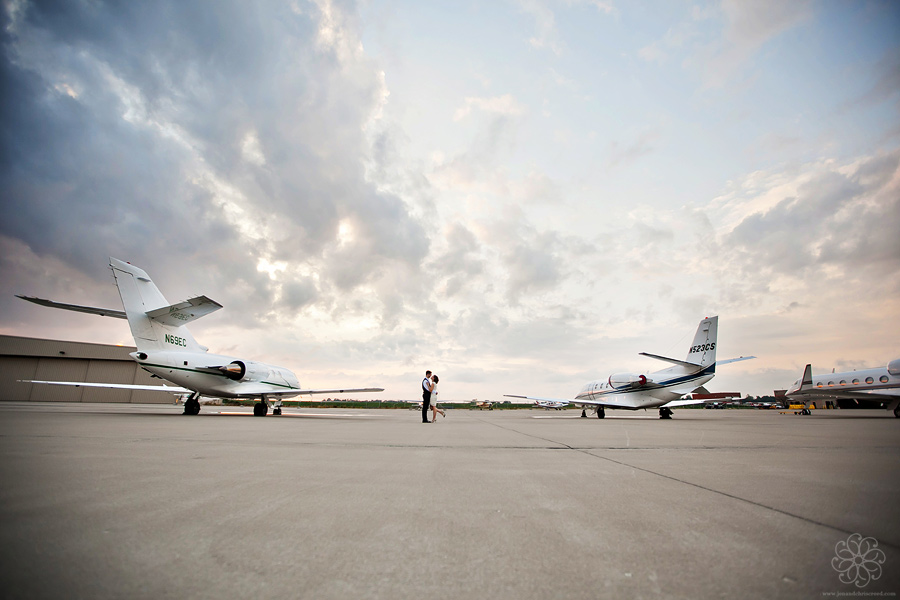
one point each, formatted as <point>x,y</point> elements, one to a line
<point>429,397</point>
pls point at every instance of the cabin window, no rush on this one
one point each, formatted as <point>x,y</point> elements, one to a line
<point>856,382</point>
<point>869,380</point>
<point>843,382</point>
<point>830,383</point>
<point>820,384</point>
<point>883,379</point>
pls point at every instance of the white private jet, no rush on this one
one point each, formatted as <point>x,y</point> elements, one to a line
<point>664,389</point>
<point>869,385</point>
<point>167,349</point>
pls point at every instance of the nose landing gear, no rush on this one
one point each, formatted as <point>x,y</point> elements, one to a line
<point>192,404</point>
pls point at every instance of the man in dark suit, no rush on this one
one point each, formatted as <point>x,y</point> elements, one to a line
<point>427,386</point>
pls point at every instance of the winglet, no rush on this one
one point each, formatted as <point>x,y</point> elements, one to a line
<point>806,380</point>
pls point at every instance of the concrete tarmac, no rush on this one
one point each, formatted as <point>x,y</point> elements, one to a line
<point>122,501</point>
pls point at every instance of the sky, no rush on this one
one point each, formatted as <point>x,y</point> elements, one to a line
<point>520,195</point>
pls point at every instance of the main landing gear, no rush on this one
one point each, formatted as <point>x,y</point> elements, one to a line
<point>261,408</point>
<point>192,405</point>
<point>601,413</point>
<point>897,411</point>
<point>665,413</point>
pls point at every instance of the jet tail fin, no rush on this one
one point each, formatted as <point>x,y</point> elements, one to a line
<point>155,324</point>
<point>703,348</point>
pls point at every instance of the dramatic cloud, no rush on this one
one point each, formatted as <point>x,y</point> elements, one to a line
<point>215,138</point>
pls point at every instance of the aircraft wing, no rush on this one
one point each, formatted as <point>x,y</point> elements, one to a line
<point>688,402</point>
<point>343,391</point>
<point>103,312</point>
<point>611,402</point>
<point>562,401</point>
<point>117,386</point>
<point>251,391</point>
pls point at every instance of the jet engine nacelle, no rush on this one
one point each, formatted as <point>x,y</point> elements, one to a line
<point>627,380</point>
<point>245,370</point>
<point>894,367</point>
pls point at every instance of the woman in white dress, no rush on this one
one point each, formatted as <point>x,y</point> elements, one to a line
<point>434,400</point>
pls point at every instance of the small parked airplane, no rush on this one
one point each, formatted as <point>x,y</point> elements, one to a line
<point>550,404</point>
<point>663,389</point>
<point>483,404</point>
<point>167,349</point>
<point>880,384</point>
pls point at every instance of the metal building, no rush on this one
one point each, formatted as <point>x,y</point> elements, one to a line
<point>55,360</point>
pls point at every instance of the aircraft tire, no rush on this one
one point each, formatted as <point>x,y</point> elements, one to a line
<point>897,411</point>
<point>601,413</point>
<point>259,409</point>
<point>276,411</point>
<point>583,414</point>
<point>191,407</point>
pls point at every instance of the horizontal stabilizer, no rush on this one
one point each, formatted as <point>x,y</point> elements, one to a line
<point>103,312</point>
<point>733,360</point>
<point>672,360</point>
<point>183,313</point>
<point>116,386</point>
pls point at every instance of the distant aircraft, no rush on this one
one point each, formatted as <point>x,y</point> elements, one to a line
<point>550,404</point>
<point>167,349</point>
<point>880,384</point>
<point>483,404</point>
<point>661,389</point>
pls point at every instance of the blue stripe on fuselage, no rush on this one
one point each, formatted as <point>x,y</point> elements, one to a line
<point>710,370</point>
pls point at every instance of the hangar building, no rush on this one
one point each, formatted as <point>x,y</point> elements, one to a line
<point>55,360</point>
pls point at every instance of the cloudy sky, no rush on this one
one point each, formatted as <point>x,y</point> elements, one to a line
<point>520,195</point>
